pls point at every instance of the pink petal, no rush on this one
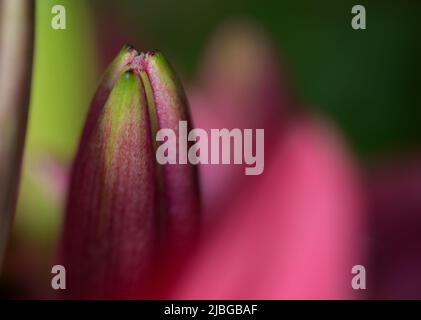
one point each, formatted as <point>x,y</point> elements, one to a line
<point>294,234</point>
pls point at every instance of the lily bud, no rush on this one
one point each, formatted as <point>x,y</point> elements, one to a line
<point>123,207</point>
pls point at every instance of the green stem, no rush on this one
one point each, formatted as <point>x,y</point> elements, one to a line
<point>16,52</point>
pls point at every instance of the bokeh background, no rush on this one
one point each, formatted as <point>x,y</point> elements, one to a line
<point>366,82</point>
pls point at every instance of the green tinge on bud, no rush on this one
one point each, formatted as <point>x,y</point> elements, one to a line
<point>16,47</point>
<point>117,66</point>
<point>109,227</point>
<point>123,207</point>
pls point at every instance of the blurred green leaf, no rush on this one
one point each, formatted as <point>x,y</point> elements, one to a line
<point>65,75</point>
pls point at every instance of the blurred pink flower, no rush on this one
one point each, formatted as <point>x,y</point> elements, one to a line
<point>296,230</point>
<point>240,85</point>
<point>293,233</point>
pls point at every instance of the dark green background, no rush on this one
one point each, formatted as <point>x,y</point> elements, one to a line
<point>366,81</point>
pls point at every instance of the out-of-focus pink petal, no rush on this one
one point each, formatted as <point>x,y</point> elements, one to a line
<point>240,85</point>
<point>295,233</point>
